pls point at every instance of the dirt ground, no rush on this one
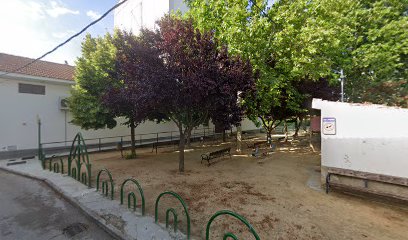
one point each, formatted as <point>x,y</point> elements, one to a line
<point>279,195</point>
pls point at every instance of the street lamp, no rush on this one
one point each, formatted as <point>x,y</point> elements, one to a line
<point>39,136</point>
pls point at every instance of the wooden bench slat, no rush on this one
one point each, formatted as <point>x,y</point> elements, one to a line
<point>215,154</point>
<point>369,176</point>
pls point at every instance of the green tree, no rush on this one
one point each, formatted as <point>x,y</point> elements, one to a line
<point>106,84</point>
<point>297,40</point>
<point>92,75</point>
<point>378,70</point>
<point>278,42</point>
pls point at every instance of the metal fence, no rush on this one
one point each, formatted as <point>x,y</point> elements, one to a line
<point>141,140</point>
<point>78,157</point>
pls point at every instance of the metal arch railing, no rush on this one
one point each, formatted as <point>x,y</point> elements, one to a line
<point>156,216</point>
<point>56,167</point>
<point>105,187</point>
<point>79,155</point>
<point>230,235</point>
<point>132,194</point>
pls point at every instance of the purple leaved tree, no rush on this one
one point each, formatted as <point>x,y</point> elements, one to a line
<point>136,63</point>
<point>202,80</point>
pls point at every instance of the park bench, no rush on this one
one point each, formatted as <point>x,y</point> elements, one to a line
<point>256,144</point>
<point>156,145</point>
<point>362,175</point>
<point>212,155</point>
<point>280,139</point>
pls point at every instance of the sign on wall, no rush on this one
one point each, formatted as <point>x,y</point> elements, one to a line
<point>329,126</point>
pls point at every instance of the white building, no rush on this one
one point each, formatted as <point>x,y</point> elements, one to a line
<point>36,92</point>
<point>365,146</point>
<point>136,14</point>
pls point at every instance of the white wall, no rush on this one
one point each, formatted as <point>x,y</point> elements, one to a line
<point>127,16</point>
<point>18,118</point>
<point>369,138</point>
<point>134,14</point>
<point>176,5</point>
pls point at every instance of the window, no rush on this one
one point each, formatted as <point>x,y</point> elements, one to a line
<point>30,88</point>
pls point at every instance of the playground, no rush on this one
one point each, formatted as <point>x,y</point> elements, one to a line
<point>279,194</point>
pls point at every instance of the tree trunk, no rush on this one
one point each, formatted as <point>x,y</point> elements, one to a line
<point>239,138</point>
<point>269,135</point>
<point>304,125</point>
<point>297,126</point>
<point>188,138</point>
<point>285,129</point>
<point>181,151</point>
<point>223,136</point>
<point>132,138</point>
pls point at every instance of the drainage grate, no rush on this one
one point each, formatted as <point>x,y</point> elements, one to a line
<point>74,229</point>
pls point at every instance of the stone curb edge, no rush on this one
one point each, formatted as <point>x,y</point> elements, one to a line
<point>95,218</point>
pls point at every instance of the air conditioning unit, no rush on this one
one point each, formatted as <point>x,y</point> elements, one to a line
<point>63,103</point>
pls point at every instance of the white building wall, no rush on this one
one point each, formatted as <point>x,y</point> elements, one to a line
<point>19,111</point>
<point>369,138</point>
<point>178,5</point>
<point>135,14</point>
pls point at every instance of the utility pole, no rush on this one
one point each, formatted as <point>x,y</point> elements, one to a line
<point>342,77</point>
<point>239,128</point>
<point>141,14</point>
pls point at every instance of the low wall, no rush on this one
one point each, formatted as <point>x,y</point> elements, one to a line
<point>365,139</point>
<point>387,156</point>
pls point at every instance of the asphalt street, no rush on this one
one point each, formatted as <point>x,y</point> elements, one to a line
<point>30,210</point>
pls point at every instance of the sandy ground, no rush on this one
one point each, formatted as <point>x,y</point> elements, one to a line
<point>279,195</point>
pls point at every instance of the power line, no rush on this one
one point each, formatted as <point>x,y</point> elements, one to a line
<point>66,41</point>
<point>261,11</point>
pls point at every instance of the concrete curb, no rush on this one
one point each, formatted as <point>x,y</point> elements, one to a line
<point>95,218</point>
<point>110,215</point>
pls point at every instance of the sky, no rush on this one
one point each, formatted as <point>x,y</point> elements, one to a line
<point>32,27</point>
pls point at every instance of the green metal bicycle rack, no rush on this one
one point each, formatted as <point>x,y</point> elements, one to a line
<point>84,178</point>
<point>105,187</point>
<point>56,167</point>
<point>171,210</point>
<point>230,235</point>
<point>132,194</point>
<point>73,173</point>
<point>78,155</point>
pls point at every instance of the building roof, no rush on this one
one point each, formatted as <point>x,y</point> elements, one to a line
<point>9,63</point>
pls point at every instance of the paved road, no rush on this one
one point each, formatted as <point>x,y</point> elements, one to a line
<point>30,210</point>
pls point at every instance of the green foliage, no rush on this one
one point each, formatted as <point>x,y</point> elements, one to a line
<point>295,41</point>
<point>379,68</point>
<point>92,75</point>
<point>130,155</point>
<point>266,38</point>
